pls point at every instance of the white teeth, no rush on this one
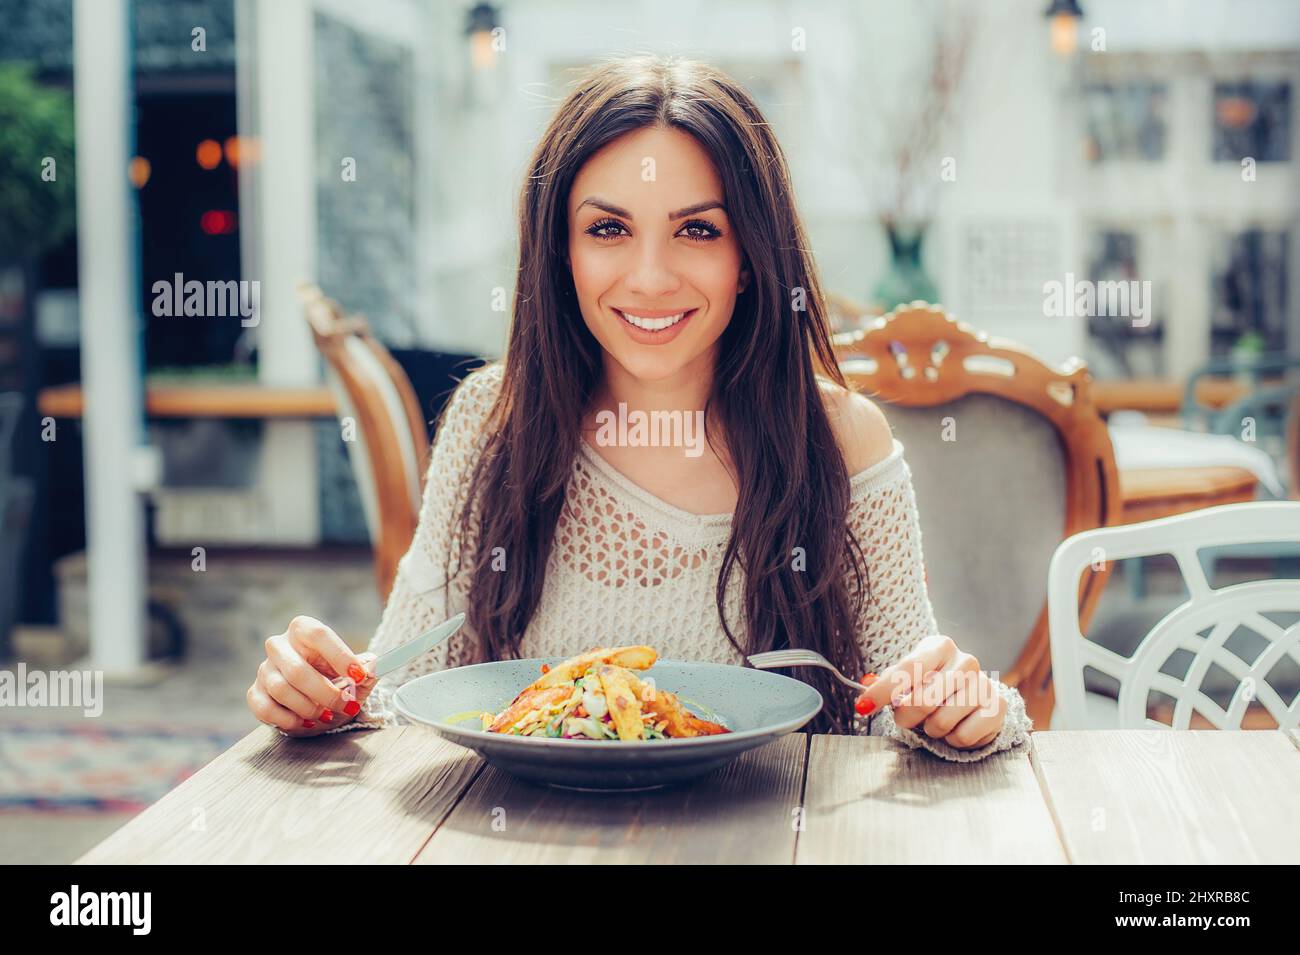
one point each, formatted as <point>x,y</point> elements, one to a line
<point>653,324</point>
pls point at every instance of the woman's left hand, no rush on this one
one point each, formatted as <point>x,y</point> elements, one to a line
<point>939,690</point>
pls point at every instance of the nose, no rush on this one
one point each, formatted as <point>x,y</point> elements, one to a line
<point>652,275</point>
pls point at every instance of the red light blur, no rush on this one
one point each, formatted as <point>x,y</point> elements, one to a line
<point>218,222</point>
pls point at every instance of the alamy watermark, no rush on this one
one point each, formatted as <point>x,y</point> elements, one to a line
<point>75,688</point>
<point>1084,298</point>
<point>179,298</point>
<point>651,429</point>
<point>974,688</point>
<point>130,908</point>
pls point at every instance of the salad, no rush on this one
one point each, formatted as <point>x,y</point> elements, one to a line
<point>597,695</point>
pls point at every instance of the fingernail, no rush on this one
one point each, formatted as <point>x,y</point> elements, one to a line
<point>864,706</point>
<point>308,724</point>
<point>326,716</point>
<point>869,679</point>
<point>357,672</point>
<point>352,708</point>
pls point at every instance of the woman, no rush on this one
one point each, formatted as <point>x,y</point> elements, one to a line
<point>664,273</point>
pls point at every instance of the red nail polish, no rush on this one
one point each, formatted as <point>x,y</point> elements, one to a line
<point>864,706</point>
<point>352,708</point>
<point>357,672</point>
<point>308,724</point>
<point>326,716</point>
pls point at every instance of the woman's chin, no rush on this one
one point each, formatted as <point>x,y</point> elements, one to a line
<point>651,368</point>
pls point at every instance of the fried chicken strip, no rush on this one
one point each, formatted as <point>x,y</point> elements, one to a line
<point>633,658</point>
<point>624,707</point>
<point>660,705</point>
<point>526,702</point>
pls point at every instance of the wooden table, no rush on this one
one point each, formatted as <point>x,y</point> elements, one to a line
<point>404,795</point>
<point>1165,395</point>
<point>1148,493</point>
<point>205,401</point>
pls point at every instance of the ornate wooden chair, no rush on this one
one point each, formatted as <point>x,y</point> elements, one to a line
<point>1009,457</point>
<point>386,435</point>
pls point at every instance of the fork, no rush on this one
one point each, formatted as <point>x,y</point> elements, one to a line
<point>777,659</point>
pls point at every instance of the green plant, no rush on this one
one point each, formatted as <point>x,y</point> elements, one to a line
<point>1250,343</point>
<point>36,124</point>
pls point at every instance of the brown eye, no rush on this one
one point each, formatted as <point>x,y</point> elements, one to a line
<point>603,229</point>
<point>701,231</point>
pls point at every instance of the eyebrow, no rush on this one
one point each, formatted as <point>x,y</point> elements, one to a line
<point>679,214</point>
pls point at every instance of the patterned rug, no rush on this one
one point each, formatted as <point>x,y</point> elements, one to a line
<point>80,768</point>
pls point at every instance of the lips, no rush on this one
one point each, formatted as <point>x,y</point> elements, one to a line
<point>653,321</point>
<point>654,326</point>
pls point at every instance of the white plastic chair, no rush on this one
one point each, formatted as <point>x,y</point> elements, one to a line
<point>1200,625</point>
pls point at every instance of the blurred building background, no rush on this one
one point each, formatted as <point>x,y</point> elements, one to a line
<point>957,152</point>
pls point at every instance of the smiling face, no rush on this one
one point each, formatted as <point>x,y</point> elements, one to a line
<point>656,264</point>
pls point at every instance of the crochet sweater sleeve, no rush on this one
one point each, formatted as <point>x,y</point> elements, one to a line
<point>422,595</point>
<point>898,615</point>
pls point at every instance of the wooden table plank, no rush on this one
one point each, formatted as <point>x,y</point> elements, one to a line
<point>1102,797</point>
<point>1156,796</point>
<point>870,800</point>
<point>243,400</point>
<point>1166,394</point>
<point>743,813</point>
<point>369,796</point>
<point>1150,493</point>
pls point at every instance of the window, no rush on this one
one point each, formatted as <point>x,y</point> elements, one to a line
<point>1121,345</point>
<point>1252,119</point>
<point>1126,121</point>
<point>1249,290</point>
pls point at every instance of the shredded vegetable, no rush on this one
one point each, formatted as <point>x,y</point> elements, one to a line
<point>598,696</point>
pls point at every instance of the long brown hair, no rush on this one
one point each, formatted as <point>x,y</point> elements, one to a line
<point>793,483</point>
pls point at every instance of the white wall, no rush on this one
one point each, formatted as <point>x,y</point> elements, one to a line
<point>857,73</point>
<point>1016,140</point>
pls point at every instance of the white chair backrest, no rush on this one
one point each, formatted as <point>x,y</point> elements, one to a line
<point>1199,626</point>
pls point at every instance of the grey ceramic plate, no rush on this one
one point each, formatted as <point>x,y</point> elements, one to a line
<point>756,705</point>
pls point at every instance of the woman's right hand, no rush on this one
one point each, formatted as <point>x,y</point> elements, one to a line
<point>293,691</point>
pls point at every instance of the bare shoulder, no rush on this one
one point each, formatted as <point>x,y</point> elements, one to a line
<point>860,426</point>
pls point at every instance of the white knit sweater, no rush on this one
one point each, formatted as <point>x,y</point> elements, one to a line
<point>629,568</point>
